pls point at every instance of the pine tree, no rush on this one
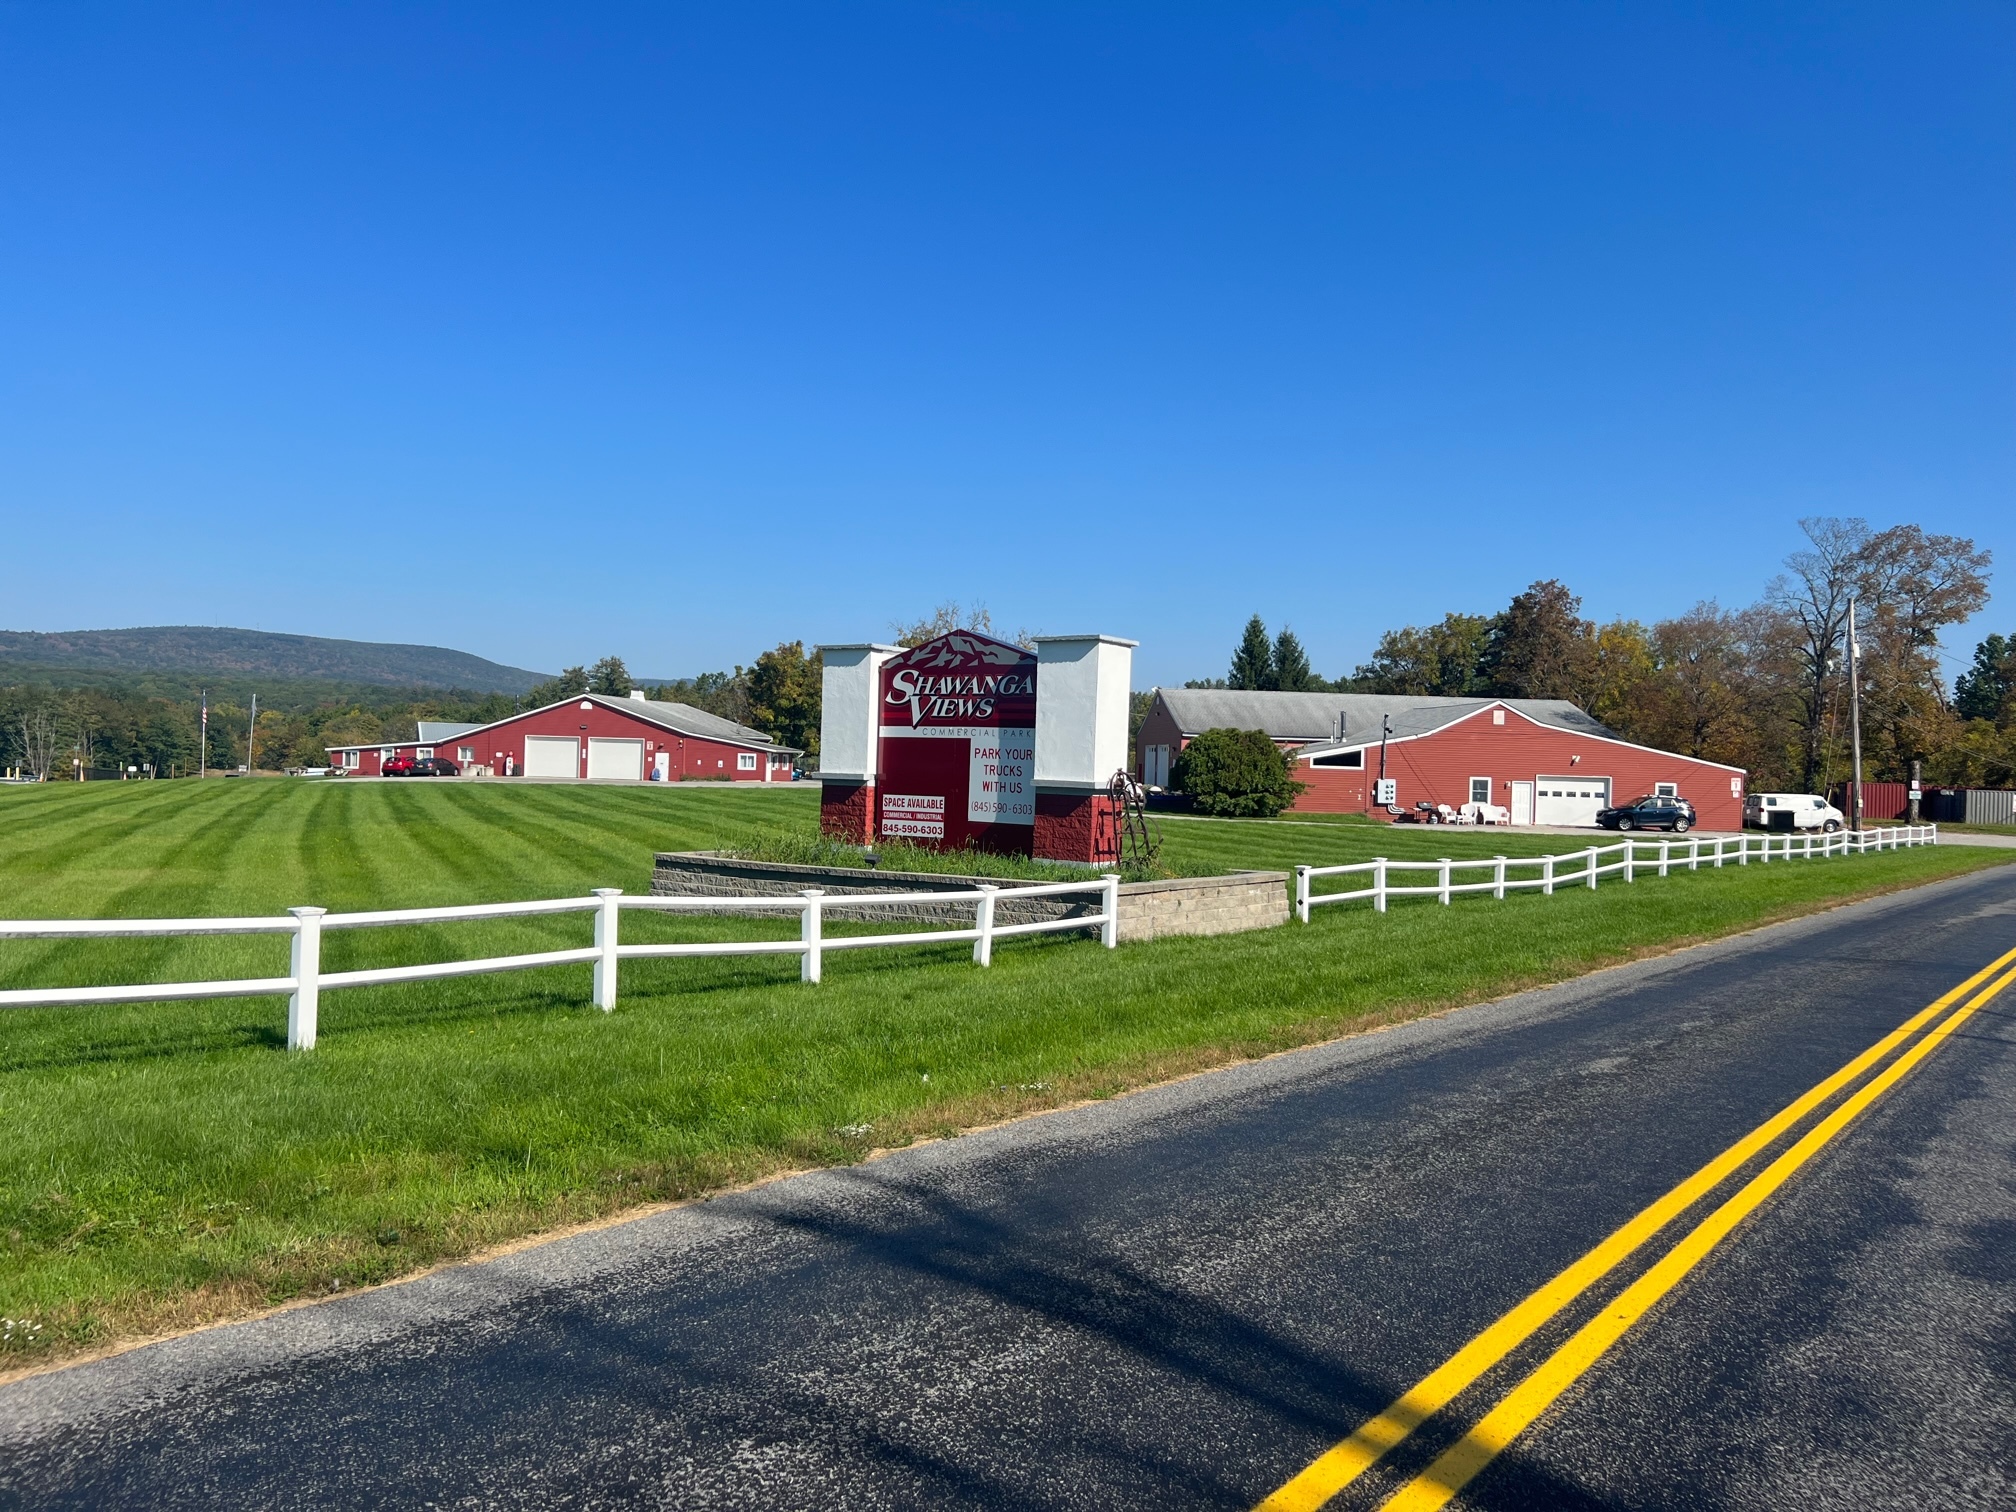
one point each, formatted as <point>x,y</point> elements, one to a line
<point>1981,692</point>
<point>1292,673</point>
<point>610,678</point>
<point>1253,662</point>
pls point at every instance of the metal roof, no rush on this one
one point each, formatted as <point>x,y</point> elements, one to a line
<point>436,731</point>
<point>1312,718</point>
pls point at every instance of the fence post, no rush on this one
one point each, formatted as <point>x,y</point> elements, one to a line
<point>1592,868</point>
<point>1302,893</point>
<point>1547,876</point>
<point>808,964</point>
<point>1379,884</point>
<point>1665,855</point>
<point>1630,860</point>
<point>1109,932</point>
<point>1694,853</point>
<point>605,941</point>
<point>983,920</point>
<point>1442,882</point>
<point>305,966</point>
<point>1498,879</point>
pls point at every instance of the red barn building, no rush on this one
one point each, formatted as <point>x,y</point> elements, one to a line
<point>1542,759</point>
<point>592,736</point>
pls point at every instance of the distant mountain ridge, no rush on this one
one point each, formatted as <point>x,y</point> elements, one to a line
<point>224,652</point>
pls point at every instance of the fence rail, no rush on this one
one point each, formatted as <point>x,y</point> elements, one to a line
<point>305,979</point>
<point>1584,867</point>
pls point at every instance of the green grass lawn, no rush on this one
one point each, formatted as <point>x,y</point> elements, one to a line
<point>168,1164</point>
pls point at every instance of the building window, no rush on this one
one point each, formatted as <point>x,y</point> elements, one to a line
<point>421,753</point>
<point>1665,790</point>
<point>1341,759</point>
<point>1480,789</point>
<point>745,761</point>
<point>1497,716</point>
<point>465,753</point>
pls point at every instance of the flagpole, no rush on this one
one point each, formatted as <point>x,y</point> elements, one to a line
<point>1855,715</point>
<point>203,741</point>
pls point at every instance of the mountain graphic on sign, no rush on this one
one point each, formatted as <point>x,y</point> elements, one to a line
<point>965,648</point>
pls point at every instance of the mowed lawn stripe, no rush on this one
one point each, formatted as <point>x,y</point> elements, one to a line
<point>167,1163</point>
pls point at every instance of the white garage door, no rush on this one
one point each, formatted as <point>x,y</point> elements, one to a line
<point>616,758</point>
<point>552,756</point>
<point>1569,800</point>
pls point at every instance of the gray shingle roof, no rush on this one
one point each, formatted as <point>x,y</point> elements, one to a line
<point>687,720</point>
<point>1310,718</point>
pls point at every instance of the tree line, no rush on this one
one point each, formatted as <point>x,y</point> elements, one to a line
<point>142,720</point>
<point>1762,687</point>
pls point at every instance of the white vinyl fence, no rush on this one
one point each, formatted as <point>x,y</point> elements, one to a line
<point>1582,868</point>
<point>305,979</point>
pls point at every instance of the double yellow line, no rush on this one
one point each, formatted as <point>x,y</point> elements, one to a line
<point>1343,1463</point>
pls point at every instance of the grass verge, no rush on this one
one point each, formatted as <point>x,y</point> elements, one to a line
<point>168,1165</point>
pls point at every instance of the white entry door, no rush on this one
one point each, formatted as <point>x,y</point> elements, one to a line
<point>552,756</point>
<point>1570,800</point>
<point>616,758</point>
<point>1522,803</point>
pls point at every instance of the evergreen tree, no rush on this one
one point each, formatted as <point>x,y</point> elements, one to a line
<point>571,683</point>
<point>1983,692</point>
<point>1253,661</point>
<point>1292,673</point>
<point>610,677</point>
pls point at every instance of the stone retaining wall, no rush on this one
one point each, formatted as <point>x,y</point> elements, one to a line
<point>1148,910</point>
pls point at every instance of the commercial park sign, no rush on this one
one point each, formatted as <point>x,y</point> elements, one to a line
<point>957,744</point>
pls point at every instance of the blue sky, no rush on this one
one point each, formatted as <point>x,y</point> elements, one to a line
<point>546,332</point>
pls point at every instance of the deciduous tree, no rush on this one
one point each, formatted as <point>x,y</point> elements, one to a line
<point>784,696</point>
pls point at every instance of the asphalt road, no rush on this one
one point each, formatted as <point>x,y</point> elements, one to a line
<point>1178,1299</point>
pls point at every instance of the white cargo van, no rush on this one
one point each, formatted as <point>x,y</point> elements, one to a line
<point>1791,811</point>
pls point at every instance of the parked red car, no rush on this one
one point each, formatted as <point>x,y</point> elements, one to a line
<point>397,766</point>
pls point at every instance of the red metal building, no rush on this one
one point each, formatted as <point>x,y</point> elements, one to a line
<point>593,736</point>
<point>1542,760</point>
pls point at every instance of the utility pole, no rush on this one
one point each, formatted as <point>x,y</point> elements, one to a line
<point>1385,734</point>
<point>1855,716</point>
<point>251,734</point>
<point>1917,789</point>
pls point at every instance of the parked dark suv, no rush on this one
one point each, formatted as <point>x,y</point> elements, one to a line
<point>1655,812</point>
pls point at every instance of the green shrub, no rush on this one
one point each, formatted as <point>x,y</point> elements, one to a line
<point>1240,773</point>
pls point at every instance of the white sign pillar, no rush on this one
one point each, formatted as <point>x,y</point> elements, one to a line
<point>850,687</point>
